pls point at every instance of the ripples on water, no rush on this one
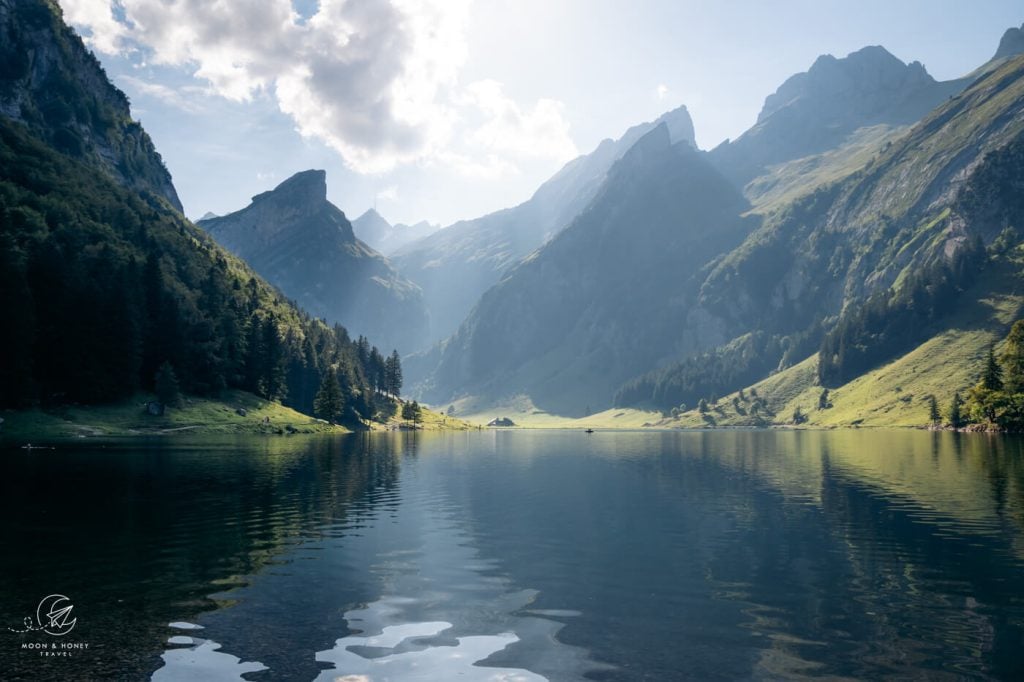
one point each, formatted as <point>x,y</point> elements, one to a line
<point>525,556</point>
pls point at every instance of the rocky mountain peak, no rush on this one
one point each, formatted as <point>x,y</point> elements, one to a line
<point>1011,44</point>
<point>679,125</point>
<point>297,206</point>
<point>867,79</point>
<point>307,188</point>
<point>371,219</point>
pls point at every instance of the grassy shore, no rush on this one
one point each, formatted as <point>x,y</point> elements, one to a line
<point>129,418</point>
<point>430,420</point>
<point>524,414</point>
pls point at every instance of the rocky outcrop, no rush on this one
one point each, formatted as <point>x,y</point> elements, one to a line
<point>1011,44</point>
<point>304,245</point>
<point>51,83</point>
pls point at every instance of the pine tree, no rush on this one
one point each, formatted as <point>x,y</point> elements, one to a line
<point>328,402</point>
<point>933,410</point>
<point>167,390</point>
<point>956,419</point>
<point>823,402</point>
<point>376,370</point>
<point>992,379</point>
<point>1013,359</point>
<point>273,371</point>
<point>393,374</point>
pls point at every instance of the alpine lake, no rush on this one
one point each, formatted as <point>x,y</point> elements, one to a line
<point>516,555</point>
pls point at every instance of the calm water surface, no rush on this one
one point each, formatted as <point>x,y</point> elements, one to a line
<point>520,556</point>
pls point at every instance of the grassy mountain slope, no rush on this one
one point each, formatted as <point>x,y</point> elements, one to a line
<point>896,393</point>
<point>783,183</point>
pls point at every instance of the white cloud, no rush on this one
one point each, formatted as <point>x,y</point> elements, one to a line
<point>389,193</point>
<point>375,80</point>
<point>179,99</point>
<point>661,91</point>
<point>106,34</point>
<point>541,132</point>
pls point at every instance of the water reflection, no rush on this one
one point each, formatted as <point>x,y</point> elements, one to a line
<point>526,556</point>
<point>201,659</point>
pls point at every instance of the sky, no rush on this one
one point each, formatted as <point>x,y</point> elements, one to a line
<point>442,110</point>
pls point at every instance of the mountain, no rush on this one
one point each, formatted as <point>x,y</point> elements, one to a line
<point>304,245</point>
<point>53,85</point>
<point>818,110</point>
<point>104,283</point>
<point>861,266</point>
<point>1012,43</point>
<point>378,233</point>
<point>869,268</point>
<point>607,295</point>
<point>455,265</point>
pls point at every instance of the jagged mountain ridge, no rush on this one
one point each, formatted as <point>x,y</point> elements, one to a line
<point>51,83</point>
<point>819,109</point>
<point>304,245</point>
<point>455,265</point>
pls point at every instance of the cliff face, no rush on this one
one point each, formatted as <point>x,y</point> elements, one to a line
<point>51,83</point>
<point>304,245</point>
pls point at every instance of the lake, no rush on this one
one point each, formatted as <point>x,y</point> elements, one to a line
<point>516,555</point>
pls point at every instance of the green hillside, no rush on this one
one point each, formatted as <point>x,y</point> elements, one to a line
<point>861,269</point>
<point>896,393</point>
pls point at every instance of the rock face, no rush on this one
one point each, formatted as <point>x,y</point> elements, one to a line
<point>372,228</point>
<point>304,245</point>
<point>819,109</point>
<point>454,266</point>
<point>501,421</point>
<point>50,82</point>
